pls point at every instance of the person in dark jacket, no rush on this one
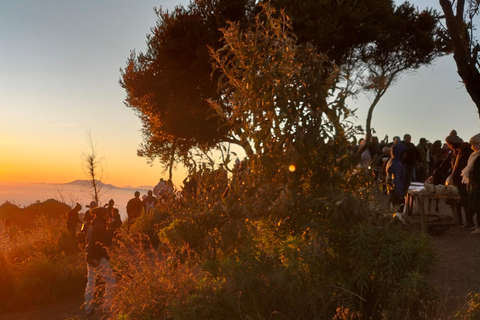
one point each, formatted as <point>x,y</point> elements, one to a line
<point>452,168</point>
<point>134,208</point>
<point>411,157</point>
<point>398,175</point>
<point>97,241</point>
<point>471,177</point>
<point>73,219</point>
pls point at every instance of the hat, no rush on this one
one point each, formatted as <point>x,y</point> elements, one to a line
<point>92,204</point>
<point>452,138</point>
<point>475,142</point>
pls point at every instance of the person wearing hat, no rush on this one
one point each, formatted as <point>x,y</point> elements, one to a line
<point>452,167</point>
<point>96,255</point>
<point>471,177</point>
<point>73,219</point>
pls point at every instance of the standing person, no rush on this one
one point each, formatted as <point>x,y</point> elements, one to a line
<point>87,216</point>
<point>411,157</point>
<point>158,189</point>
<point>98,239</point>
<point>397,174</point>
<point>73,219</point>
<point>422,165</point>
<point>434,155</point>
<point>149,202</point>
<point>189,189</point>
<point>134,208</point>
<point>471,177</point>
<point>109,206</point>
<point>452,168</point>
<point>115,222</point>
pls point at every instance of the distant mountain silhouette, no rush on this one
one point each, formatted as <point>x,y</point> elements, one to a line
<point>25,217</point>
<point>86,183</point>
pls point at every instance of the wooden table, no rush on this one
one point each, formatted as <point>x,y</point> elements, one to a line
<point>420,197</point>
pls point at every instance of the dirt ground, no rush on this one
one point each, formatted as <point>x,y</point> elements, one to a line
<point>457,273</point>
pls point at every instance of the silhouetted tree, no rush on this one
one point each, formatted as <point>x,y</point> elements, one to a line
<point>459,17</point>
<point>93,168</point>
<point>169,85</point>
<point>412,39</point>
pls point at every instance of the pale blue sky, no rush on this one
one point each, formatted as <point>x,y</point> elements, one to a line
<point>60,62</point>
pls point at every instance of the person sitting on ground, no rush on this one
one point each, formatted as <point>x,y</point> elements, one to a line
<point>73,220</point>
<point>134,208</point>
<point>98,238</point>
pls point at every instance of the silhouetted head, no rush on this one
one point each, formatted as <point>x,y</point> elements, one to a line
<point>453,140</point>
<point>475,142</point>
<point>137,194</point>
<point>92,204</point>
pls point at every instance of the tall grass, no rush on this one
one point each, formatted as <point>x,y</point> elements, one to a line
<point>38,265</point>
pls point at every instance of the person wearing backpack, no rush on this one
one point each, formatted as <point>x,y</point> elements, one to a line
<point>96,255</point>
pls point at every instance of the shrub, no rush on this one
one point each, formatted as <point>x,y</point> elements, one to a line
<point>471,309</point>
<point>39,264</point>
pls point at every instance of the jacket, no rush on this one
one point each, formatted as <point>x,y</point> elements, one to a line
<point>396,170</point>
<point>98,239</point>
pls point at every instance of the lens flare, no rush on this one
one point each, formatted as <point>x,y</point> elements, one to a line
<point>292,168</point>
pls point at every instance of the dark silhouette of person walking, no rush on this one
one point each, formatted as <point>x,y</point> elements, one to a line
<point>98,239</point>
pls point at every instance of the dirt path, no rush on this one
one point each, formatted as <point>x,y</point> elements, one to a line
<point>458,271</point>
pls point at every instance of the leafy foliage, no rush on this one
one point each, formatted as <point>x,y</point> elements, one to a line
<point>281,244</point>
<point>172,103</point>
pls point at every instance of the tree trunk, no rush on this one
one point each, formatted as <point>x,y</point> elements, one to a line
<point>466,63</point>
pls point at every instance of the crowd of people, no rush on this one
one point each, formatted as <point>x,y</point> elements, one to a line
<point>454,162</point>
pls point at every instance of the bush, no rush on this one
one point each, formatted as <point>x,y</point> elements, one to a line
<point>471,309</point>
<point>40,265</point>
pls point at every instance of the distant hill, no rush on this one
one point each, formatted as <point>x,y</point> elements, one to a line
<point>86,183</point>
<point>26,216</point>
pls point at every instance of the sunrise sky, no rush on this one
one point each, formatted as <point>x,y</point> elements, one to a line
<point>59,80</point>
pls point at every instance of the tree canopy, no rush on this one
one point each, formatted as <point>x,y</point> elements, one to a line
<point>169,85</point>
